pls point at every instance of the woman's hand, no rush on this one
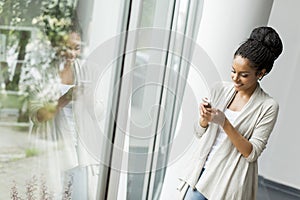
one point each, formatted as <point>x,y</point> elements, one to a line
<point>67,97</point>
<point>205,113</point>
<point>47,112</point>
<point>209,114</point>
<point>218,117</point>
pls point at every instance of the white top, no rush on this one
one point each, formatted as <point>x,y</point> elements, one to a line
<point>64,120</point>
<point>231,116</point>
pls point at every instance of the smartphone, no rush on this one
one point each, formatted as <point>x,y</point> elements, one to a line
<point>206,100</point>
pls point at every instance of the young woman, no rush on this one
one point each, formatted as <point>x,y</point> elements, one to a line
<point>61,113</point>
<point>54,129</point>
<point>234,126</point>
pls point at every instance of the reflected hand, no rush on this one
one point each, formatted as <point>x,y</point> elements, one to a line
<point>70,95</point>
<point>47,112</point>
<point>66,98</point>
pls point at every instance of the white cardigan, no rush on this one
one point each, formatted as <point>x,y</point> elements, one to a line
<point>229,175</point>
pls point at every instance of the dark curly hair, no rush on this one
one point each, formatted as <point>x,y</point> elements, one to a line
<point>262,48</point>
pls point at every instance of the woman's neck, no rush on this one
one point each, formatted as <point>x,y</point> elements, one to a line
<point>67,75</point>
<point>246,94</point>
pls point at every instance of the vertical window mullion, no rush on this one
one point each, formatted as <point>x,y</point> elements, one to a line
<point>105,170</point>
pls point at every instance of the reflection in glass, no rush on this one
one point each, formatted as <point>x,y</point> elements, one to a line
<point>41,156</point>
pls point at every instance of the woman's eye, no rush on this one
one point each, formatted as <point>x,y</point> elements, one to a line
<point>244,75</point>
<point>77,48</point>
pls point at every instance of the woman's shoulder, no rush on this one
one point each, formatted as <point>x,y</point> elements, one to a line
<point>267,100</point>
<point>271,103</point>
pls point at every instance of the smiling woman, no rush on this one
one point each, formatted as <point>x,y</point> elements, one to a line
<point>235,130</point>
<point>244,78</point>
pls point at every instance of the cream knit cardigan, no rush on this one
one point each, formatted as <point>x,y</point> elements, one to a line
<point>230,176</point>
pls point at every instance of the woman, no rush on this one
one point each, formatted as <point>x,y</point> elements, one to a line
<point>235,126</point>
<point>54,125</point>
<point>61,111</point>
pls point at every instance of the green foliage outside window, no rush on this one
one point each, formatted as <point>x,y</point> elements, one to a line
<point>53,18</point>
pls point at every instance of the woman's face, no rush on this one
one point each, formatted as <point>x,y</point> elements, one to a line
<point>73,46</point>
<point>243,75</point>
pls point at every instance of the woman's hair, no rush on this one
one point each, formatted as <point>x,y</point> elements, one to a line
<point>262,48</point>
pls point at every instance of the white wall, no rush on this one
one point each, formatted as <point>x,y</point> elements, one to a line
<point>225,24</point>
<point>105,20</point>
<point>281,160</point>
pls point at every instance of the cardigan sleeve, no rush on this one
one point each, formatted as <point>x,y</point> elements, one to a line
<point>262,132</point>
<point>199,130</point>
<point>214,91</point>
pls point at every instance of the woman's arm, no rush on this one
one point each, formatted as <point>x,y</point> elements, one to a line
<point>251,149</point>
<point>216,116</point>
<point>48,111</point>
<point>241,143</point>
<point>65,99</point>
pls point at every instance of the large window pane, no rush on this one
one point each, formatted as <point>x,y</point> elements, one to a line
<point>55,156</point>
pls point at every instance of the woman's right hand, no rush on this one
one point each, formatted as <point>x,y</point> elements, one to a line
<point>205,113</point>
<point>67,97</point>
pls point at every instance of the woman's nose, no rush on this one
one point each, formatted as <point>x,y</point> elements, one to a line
<point>235,77</point>
<point>72,53</point>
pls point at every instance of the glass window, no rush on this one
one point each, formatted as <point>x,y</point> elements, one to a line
<point>89,95</point>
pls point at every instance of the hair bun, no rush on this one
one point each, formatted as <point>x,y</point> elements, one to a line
<point>269,38</point>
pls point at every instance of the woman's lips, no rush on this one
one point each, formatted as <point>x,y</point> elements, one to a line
<point>238,84</point>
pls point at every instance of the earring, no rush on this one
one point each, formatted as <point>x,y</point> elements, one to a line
<point>261,73</point>
<point>261,77</point>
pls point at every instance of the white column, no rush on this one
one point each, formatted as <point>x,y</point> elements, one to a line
<point>280,161</point>
<point>225,24</point>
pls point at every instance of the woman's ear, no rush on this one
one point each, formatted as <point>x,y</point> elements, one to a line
<point>261,74</point>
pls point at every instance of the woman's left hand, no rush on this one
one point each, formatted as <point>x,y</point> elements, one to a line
<point>218,117</point>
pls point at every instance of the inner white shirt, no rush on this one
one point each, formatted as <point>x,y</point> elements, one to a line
<point>231,116</point>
